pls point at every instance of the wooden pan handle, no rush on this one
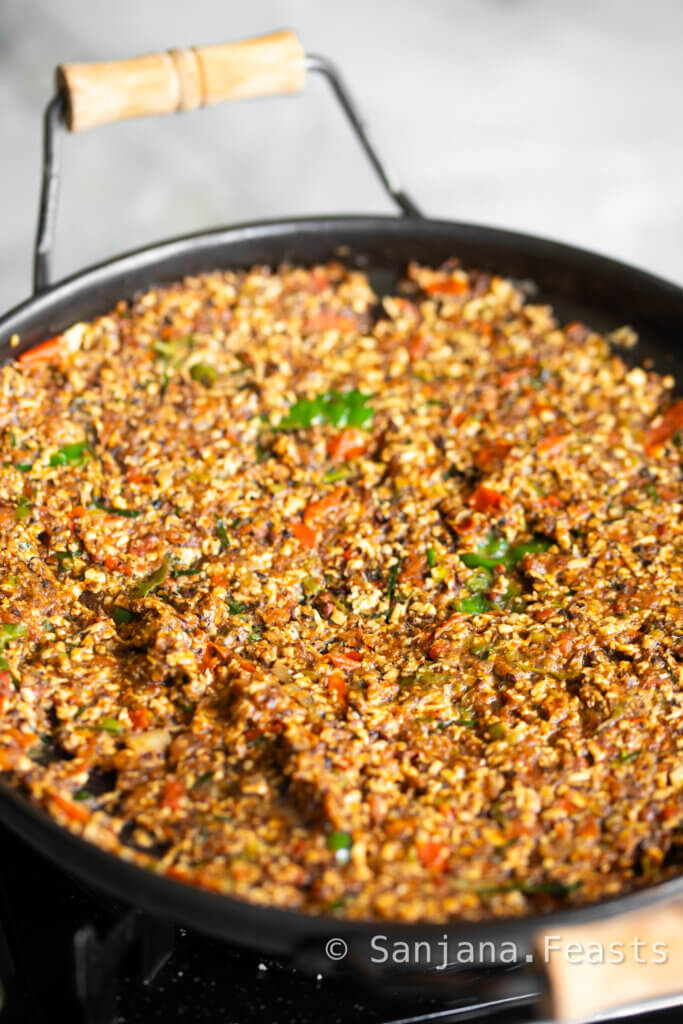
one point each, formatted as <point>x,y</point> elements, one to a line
<point>163,83</point>
<point>650,942</point>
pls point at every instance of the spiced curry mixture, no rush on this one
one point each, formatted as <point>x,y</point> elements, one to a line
<point>357,606</point>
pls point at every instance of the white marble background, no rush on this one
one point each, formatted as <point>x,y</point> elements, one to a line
<point>559,117</point>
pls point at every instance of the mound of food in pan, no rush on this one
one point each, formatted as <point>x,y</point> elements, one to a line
<point>361,606</point>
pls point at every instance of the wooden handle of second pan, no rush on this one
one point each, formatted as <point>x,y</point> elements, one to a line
<point>642,954</point>
<point>163,83</point>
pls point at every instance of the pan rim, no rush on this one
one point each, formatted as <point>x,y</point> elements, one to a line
<point>27,819</point>
<point>155,252</point>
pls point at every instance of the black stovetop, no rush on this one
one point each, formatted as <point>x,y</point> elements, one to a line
<point>56,941</point>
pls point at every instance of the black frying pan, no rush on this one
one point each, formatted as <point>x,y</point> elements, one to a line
<point>581,285</point>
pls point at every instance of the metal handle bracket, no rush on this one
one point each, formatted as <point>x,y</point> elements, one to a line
<point>54,124</point>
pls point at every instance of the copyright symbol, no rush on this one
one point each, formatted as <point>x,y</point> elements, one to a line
<point>336,949</point>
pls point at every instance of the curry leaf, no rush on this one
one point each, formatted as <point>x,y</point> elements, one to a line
<point>71,454</point>
<point>340,408</point>
<point>150,583</point>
